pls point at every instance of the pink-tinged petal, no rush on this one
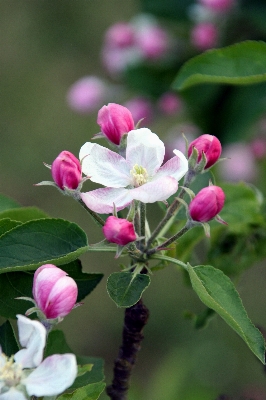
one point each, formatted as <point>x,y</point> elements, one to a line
<point>32,335</point>
<point>44,282</point>
<point>106,167</point>
<point>102,200</point>
<point>176,167</point>
<point>157,190</point>
<point>54,375</point>
<point>62,298</point>
<point>12,394</point>
<point>146,149</point>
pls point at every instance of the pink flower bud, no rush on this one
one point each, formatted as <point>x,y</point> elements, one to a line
<point>140,108</point>
<point>169,103</point>
<point>209,145</point>
<point>66,170</point>
<point>153,41</point>
<point>207,204</point>
<point>87,94</point>
<point>120,35</point>
<point>218,5</point>
<point>115,120</point>
<point>204,36</point>
<point>54,292</point>
<point>119,231</point>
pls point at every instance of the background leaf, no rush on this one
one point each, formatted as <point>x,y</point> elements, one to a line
<point>217,292</point>
<point>6,203</point>
<point>8,339</point>
<point>239,64</point>
<point>125,288</point>
<point>23,214</point>
<point>7,224</point>
<point>40,242</point>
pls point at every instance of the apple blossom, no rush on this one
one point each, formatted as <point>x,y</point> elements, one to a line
<point>115,120</point>
<point>169,103</point>
<point>138,176</point>
<point>207,204</point>
<point>119,231</point>
<point>54,292</point>
<point>204,36</point>
<point>87,94</point>
<point>140,108</point>
<point>209,145</point>
<point>66,171</point>
<point>25,374</point>
<point>120,35</point>
<point>218,6</point>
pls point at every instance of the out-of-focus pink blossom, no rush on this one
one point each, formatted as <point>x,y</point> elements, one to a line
<point>116,60</point>
<point>170,103</point>
<point>119,231</point>
<point>258,147</point>
<point>239,165</point>
<point>204,36</point>
<point>120,35</point>
<point>140,108</point>
<point>218,5</point>
<point>207,204</point>
<point>115,120</point>
<point>153,41</point>
<point>66,171</point>
<point>87,94</point>
<point>54,292</point>
<point>209,145</point>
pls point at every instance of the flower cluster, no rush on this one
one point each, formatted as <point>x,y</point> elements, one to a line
<point>27,374</point>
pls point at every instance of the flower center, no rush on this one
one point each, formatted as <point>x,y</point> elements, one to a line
<point>10,372</point>
<point>139,174</point>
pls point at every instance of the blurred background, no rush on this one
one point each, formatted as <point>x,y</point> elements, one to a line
<point>60,61</point>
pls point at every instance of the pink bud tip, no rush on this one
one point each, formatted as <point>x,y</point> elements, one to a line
<point>66,171</point>
<point>169,103</point>
<point>115,120</point>
<point>204,36</point>
<point>218,6</point>
<point>210,146</point>
<point>119,231</point>
<point>120,35</point>
<point>54,292</point>
<point>87,94</point>
<point>207,204</point>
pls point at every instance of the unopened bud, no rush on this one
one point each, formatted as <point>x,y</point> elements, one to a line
<point>115,120</point>
<point>209,145</point>
<point>66,171</point>
<point>207,204</point>
<point>119,231</point>
<point>54,292</point>
<point>204,36</point>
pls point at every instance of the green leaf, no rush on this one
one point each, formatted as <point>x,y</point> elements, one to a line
<point>89,392</point>
<point>19,284</point>
<point>23,214</point>
<point>38,242</point>
<point>6,203</point>
<point>97,372</point>
<point>242,208</point>
<point>217,292</point>
<point>239,64</point>
<point>7,224</point>
<point>126,288</point>
<point>8,339</point>
<point>56,344</point>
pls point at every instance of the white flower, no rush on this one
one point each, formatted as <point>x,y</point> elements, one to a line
<point>48,378</point>
<point>139,176</point>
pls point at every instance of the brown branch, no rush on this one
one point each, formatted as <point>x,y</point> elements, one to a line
<point>136,318</point>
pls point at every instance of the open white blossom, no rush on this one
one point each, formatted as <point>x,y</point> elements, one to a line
<point>138,176</point>
<point>25,374</point>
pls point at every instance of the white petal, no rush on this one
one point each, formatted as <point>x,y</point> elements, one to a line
<point>106,167</point>
<point>85,150</point>
<point>12,394</point>
<point>102,200</point>
<point>32,335</point>
<point>176,167</point>
<point>157,190</point>
<point>146,149</point>
<point>55,374</point>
